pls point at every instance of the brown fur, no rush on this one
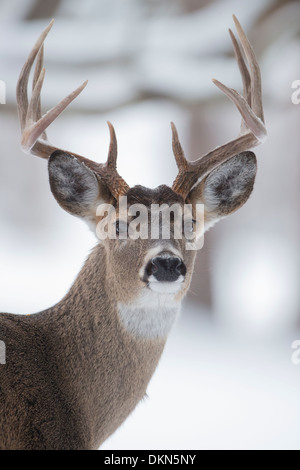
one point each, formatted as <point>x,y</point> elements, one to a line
<point>73,373</point>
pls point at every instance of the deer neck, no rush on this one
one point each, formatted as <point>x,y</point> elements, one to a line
<point>94,298</point>
<point>104,353</point>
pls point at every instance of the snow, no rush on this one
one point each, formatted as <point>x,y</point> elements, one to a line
<point>226,379</point>
<point>215,390</point>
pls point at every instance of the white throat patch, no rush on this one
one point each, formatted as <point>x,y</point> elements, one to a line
<point>151,316</point>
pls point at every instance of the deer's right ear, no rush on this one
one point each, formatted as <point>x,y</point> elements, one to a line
<point>76,187</point>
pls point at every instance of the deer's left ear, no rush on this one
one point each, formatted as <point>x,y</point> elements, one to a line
<point>226,188</point>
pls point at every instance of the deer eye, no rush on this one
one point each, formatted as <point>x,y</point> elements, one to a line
<point>121,227</point>
<point>188,226</point>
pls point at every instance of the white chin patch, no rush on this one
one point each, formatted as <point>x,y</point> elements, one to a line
<point>165,287</point>
<point>154,311</point>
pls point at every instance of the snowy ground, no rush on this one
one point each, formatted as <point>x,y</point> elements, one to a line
<point>214,390</point>
<point>226,379</point>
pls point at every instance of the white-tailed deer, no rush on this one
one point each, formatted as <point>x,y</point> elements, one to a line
<point>75,371</point>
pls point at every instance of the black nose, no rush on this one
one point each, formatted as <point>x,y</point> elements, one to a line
<point>166,269</point>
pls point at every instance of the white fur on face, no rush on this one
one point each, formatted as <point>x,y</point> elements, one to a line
<point>165,287</point>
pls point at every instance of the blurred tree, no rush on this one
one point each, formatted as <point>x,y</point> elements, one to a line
<point>41,9</point>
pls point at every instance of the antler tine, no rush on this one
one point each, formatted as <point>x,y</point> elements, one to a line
<point>253,122</point>
<point>113,148</point>
<point>251,109</point>
<point>22,97</point>
<point>32,128</point>
<point>181,161</point>
<point>37,72</point>
<point>243,68</point>
<point>34,125</point>
<point>108,171</point>
<point>35,130</point>
<point>34,107</point>
<point>250,105</point>
<point>244,74</point>
<point>256,93</point>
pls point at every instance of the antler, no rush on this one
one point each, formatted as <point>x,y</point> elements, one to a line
<point>253,130</point>
<point>34,125</point>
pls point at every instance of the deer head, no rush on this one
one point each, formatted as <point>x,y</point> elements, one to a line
<point>221,181</point>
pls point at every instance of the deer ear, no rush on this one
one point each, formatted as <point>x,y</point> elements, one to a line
<point>76,187</point>
<point>226,188</point>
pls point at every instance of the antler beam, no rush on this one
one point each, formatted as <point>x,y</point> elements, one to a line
<point>33,124</point>
<point>253,130</point>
